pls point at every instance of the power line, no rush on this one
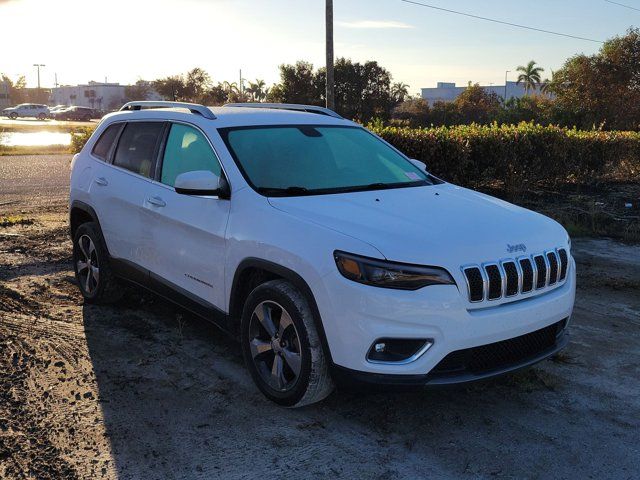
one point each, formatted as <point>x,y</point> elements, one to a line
<point>478,17</point>
<point>623,5</point>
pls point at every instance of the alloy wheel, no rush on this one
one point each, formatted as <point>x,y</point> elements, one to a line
<point>275,346</point>
<point>87,265</point>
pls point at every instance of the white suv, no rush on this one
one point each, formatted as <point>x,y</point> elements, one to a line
<point>333,257</point>
<point>27,110</point>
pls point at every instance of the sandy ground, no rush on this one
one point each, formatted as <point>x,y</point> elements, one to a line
<point>143,390</point>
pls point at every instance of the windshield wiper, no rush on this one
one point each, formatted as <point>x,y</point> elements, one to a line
<point>293,190</point>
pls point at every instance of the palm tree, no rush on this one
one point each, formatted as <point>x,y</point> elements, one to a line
<point>257,90</point>
<point>399,91</point>
<point>547,84</point>
<point>529,76</point>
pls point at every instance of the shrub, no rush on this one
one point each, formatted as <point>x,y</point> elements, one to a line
<point>79,137</point>
<point>518,156</point>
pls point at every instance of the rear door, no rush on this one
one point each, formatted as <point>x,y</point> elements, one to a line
<point>186,233</point>
<point>118,189</point>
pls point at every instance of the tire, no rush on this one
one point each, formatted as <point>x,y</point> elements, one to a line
<point>13,115</point>
<point>288,312</point>
<point>86,118</point>
<point>42,116</point>
<point>95,277</point>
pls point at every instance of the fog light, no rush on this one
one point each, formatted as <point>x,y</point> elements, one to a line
<point>398,350</point>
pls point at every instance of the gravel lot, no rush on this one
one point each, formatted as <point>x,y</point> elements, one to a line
<point>143,390</point>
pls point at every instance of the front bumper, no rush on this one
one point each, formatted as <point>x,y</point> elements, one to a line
<point>354,379</point>
<point>354,316</point>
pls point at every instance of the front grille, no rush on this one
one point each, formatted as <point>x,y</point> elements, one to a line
<point>495,281</point>
<point>541,266</point>
<point>510,277</point>
<point>511,273</point>
<point>553,267</point>
<point>499,355</point>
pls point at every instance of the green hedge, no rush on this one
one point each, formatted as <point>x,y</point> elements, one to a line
<point>518,155</point>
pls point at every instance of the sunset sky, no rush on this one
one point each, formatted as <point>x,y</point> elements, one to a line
<point>124,40</point>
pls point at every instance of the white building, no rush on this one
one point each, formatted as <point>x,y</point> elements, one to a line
<point>448,92</point>
<point>103,96</point>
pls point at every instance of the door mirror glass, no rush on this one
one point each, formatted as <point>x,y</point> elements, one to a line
<point>419,163</point>
<point>201,182</point>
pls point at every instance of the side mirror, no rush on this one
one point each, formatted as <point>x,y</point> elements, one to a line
<point>202,182</point>
<point>419,163</point>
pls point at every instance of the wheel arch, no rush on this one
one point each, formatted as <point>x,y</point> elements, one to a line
<point>252,272</point>
<point>80,213</point>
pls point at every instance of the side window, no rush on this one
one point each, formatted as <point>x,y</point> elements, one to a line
<point>137,146</point>
<point>105,142</point>
<point>187,150</point>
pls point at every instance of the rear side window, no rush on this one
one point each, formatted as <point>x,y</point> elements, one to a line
<point>187,150</point>
<point>136,150</point>
<point>105,142</point>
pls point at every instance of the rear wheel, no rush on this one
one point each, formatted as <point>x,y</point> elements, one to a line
<point>281,346</point>
<point>91,265</point>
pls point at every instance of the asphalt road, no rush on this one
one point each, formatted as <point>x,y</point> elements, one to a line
<point>33,181</point>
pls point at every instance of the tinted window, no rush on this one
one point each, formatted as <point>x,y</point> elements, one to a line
<point>187,150</point>
<point>137,146</point>
<point>320,159</point>
<point>104,143</point>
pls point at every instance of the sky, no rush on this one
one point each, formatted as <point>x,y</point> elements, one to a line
<point>125,40</point>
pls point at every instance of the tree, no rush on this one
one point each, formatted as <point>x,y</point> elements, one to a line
<point>171,88</point>
<point>399,92</point>
<point>414,112</point>
<point>298,84</point>
<point>602,90</point>
<point>477,105</point>
<point>17,90</point>
<point>530,76</point>
<point>139,91</point>
<point>257,90</point>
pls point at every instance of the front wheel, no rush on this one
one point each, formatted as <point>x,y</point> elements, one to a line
<point>42,116</point>
<point>281,346</point>
<point>91,265</point>
<point>13,115</point>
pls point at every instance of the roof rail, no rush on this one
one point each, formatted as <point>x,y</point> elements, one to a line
<point>288,106</point>
<point>192,107</point>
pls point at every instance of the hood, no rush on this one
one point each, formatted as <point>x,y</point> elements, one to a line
<point>441,225</point>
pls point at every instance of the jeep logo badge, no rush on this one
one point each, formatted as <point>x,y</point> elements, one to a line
<point>521,247</point>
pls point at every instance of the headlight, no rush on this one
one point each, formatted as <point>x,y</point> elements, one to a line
<point>381,273</point>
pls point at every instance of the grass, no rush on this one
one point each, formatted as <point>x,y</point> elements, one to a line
<point>35,150</point>
<point>13,220</point>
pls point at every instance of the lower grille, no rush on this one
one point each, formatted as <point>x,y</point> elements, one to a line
<point>499,355</point>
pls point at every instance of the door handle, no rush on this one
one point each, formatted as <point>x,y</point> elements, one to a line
<point>102,181</point>
<point>157,201</point>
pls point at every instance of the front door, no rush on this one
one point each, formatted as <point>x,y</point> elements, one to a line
<point>187,232</point>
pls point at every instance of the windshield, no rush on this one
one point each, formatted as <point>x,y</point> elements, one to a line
<point>308,160</point>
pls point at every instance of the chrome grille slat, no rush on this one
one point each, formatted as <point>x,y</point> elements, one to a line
<point>509,277</point>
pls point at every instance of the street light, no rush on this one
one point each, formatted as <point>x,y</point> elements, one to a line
<point>38,65</point>
<point>505,85</point>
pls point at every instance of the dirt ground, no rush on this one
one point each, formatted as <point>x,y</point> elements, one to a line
<point>144,390</point>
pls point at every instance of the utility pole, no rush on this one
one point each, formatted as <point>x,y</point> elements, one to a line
<point>330,92</point>
<point>38,65</point>
<point>505,85</point>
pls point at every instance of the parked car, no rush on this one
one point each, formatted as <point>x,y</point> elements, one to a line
<point>83,114</point>
<point>330,255</point>
<point>57,108</point>
<point>27,110</point>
